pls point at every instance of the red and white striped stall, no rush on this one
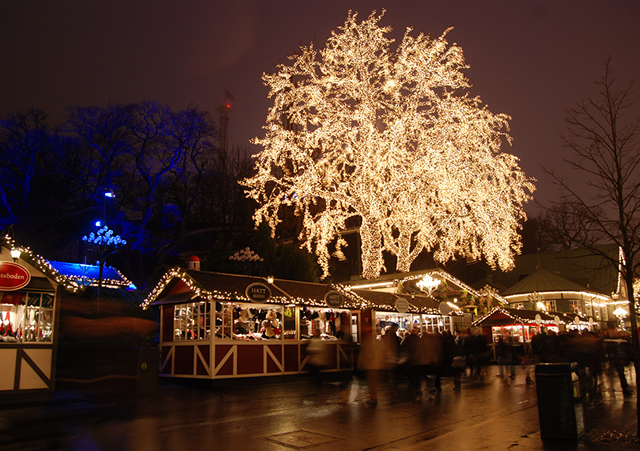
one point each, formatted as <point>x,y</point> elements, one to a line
<point>222,326</point>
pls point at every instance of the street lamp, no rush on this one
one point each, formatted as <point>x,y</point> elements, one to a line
<point>620,313</point>
<point>107,194</point>
<point>15,254</point>
<point>105,243</point>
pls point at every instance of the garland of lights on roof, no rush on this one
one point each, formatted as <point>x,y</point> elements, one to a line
<point>601,297</point>
<point>363,303</point>
<point>218,295</point>
<point>515,318</point>
<point>41,265</point>
<point>485,292</point>
<point>123,282</point>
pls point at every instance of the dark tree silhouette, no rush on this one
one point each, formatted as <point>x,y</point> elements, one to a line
<point>602,204</point>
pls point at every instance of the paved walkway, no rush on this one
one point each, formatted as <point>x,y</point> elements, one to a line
<point>275,415</point>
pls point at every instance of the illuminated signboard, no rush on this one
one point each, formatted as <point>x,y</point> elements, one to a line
<point>13,276</point>
<point>258,292</point>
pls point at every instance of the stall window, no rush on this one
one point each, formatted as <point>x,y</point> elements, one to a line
<point>11,329</point>
<point>598,315</point>
<point>191,321</point>
<point>333,324</point>
<point>576,306</point>
<point>436,323</point>
<point>549,306</point>
<point>510,334</point>
<point>38,318</point>
<point>407,321</point>
<point>252,322</point>
<point>26,317</point>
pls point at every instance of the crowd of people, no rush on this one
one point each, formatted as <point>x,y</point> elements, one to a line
<point>417,359</point>
<point>590,350</point>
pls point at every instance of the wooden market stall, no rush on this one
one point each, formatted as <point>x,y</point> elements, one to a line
<point>29,308</point>
<point>224,326</point>
<point>407,311</point>
<point>432,300</point>
<point>518,325</point>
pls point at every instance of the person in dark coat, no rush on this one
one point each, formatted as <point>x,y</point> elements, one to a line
<point>477,354</point>
<point>621,358</point>
<point>410,358</point>
<point>503,356</point>
<point>391,345</point>
<point>539,346</point>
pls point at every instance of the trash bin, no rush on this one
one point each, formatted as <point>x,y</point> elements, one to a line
<point>559,401</point>
<point>148,362</point>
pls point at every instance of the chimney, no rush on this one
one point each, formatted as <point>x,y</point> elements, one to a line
<point>193,263</point>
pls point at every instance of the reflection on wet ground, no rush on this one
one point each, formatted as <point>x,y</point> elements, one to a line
<point>485,414</point>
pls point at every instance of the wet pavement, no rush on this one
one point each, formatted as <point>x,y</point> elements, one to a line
<point>276,415</point>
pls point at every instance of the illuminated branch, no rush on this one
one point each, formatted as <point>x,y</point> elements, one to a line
<point>359,130</point>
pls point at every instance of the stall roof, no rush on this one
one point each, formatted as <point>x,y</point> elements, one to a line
<point>51,277</point>
<point>387,301</point>
<point>407,283</point>
<point>180,285</point>
<point>304,291</point>
<point>579,265</point>
<point>70,275</point>
<point>542,281</point>
<point>90,274</point>
<point>502,315</point>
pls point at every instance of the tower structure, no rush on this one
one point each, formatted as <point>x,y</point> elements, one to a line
<point>224,110</point>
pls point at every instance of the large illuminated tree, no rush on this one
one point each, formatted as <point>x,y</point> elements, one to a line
<point>359,130</point>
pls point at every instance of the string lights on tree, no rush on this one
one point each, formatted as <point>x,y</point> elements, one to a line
<point>361,130</point>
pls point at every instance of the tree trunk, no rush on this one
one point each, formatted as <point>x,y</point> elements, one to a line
<point>372,262</point>
<point>405,254</point>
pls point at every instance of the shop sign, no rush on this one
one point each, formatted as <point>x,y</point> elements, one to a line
<point>402,305</point>
<point>258,292</point>
<point>333,299</point>
<point>13,276</point>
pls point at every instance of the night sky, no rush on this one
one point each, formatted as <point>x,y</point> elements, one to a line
<point>529,59</point>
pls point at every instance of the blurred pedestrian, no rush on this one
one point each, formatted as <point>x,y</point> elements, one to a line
<point>371,361</point>
<point>621,358</point>
<point>515,353</point>
<point>503,356</point>
<point>391,345</point>
<point>431,360</point>
<point>459,363</point>
<point>346,375</point>
<point>316,350</point>
<point>410,358</point>
<point>539,346</point>
<point>477,353</point>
